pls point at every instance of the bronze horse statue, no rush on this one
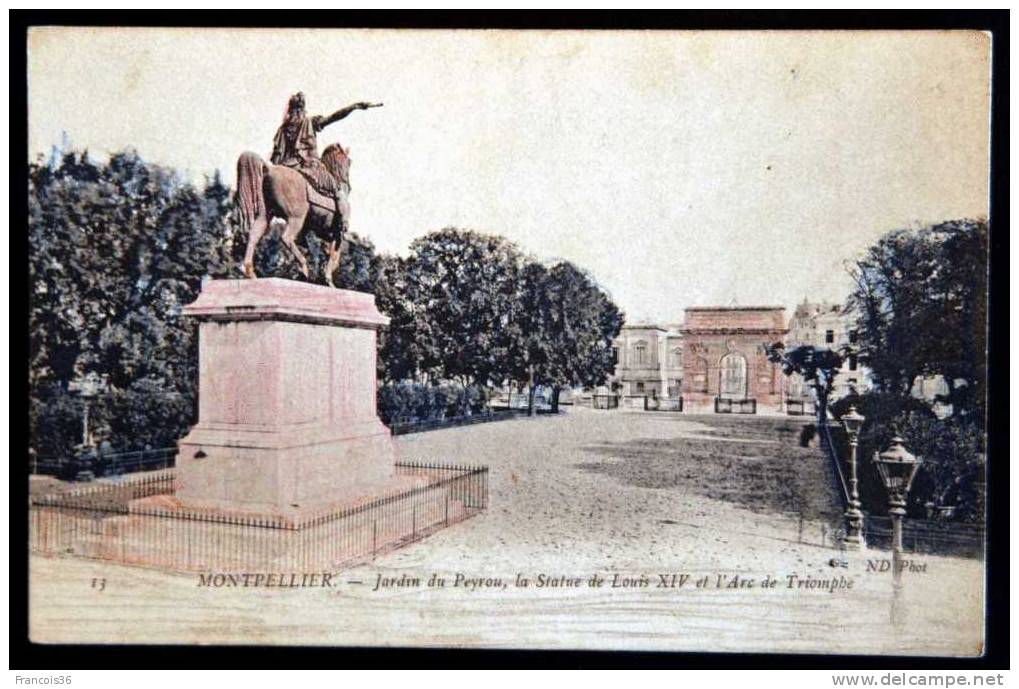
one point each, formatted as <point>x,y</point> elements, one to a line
<point>268,192</point>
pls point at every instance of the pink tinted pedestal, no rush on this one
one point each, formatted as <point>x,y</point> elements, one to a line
<point>287,419</point>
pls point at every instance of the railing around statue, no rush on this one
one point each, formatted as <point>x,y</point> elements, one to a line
<point>100,522</point>
<point>724,405</point>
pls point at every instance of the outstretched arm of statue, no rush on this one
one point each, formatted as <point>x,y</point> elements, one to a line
<point>321,123</point>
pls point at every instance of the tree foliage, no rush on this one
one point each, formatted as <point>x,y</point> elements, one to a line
<point>461,288</point>
<point>952,450</point>
<point>563,330</point>
<point>920,301</point>
<point>117,249</point>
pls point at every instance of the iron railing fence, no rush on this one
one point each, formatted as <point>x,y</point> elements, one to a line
<point>105,522</point>
<point>632,401</point>
<point>724,405</point>
<point>927,537</point>
<point>663,404</point>
<point>405,427</point>
<point>799,407</point>
<point>106,465</point>
<point>520,400</point>
<point>604,401</point>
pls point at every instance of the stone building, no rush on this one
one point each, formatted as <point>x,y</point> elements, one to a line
<point>826,325</point>
<point>649,362</point>
<point>724,357</point>
<point>718,352</point>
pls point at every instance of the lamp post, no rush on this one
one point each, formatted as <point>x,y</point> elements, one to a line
<point>853,422</point>
<point>88,388</point>
<point>898,468</point>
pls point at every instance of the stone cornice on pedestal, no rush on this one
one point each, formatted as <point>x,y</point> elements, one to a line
<point>285,300</point>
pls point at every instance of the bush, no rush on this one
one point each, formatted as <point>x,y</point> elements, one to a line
<point>952,449</point>
<point>142,415</point>
<point>413,402</point>
<point>145,415</point>
<point>55,423</point>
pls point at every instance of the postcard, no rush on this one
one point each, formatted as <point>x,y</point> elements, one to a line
<point>525,339</point>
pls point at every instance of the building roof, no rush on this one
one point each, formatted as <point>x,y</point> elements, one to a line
<point>643,326</point>
<point>734,308</point>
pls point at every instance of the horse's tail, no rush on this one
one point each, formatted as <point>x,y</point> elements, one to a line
<point>251,171</point>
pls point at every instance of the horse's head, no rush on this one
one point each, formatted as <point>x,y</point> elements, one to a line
<point>337,161</point>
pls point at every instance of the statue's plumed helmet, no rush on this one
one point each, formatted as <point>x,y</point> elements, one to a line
<point>296,102</point>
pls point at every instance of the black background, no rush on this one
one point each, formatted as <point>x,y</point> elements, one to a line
<point>27,655</point>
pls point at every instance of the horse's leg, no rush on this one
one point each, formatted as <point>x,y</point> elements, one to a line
<point>258,228</point>
<point>335,247</point>
<point>290,232</point>
<point>336,242</point>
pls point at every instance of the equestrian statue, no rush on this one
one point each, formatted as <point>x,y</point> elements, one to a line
<point>298,187</point>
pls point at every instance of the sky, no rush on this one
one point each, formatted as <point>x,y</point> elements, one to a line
<point>679,168</point>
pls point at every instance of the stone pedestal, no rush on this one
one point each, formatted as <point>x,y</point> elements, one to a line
<point>287,417</point>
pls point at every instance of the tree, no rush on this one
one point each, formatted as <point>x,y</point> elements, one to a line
<point>564,330</point>
<point>116,250</point>
<point>463,289</point>
<point>588,323</point>
<point>533,344</point>
<point>400,355</point>
<point>920,302</point>
<point>818,366</point>
<point>952,449</point>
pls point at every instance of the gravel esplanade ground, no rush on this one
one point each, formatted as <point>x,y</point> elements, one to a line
<point>624,495</point>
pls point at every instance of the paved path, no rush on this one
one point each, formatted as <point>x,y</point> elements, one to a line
<point>617,494</point>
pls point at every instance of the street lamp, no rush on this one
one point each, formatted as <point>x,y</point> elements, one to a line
<point>88,388</point>
<point>898,468</point>
<point>853,422</point>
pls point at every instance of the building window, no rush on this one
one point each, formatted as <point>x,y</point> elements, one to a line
<point>852,362</point>
<point>676,358</point>
<point>733,377</point>
<point>615,355</point>
<point>640,388</point>
<point>852,337</point>
<point>829,336</point>
<point>640,354</point>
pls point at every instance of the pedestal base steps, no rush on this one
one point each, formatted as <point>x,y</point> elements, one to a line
<point>141,521</point>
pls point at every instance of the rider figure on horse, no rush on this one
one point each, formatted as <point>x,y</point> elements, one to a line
<point>284,189</point>
<point>295,144</point>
